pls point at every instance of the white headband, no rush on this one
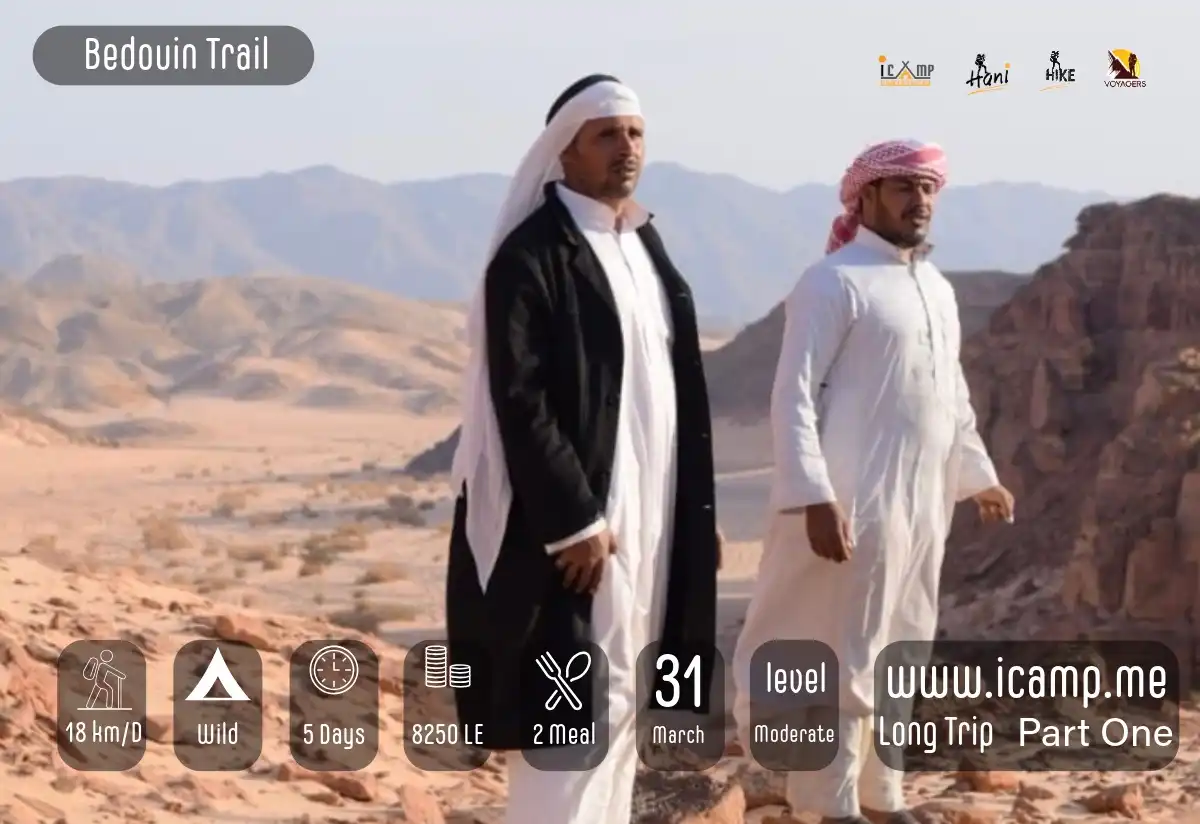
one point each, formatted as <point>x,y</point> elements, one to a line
<point>541,164</point>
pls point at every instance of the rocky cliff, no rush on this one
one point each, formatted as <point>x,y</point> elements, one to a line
<point>1087,389</point>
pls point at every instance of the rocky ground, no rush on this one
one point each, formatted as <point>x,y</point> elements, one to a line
<point>160,619</point>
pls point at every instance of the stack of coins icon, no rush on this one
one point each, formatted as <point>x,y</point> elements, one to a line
<point>460,675</point>
<point>435,666</point>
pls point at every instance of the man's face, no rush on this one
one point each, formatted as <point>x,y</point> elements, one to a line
<point>900,209</point>
<point>605,159</point>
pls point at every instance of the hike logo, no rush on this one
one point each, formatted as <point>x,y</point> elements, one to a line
<point>984,80</point>
<point>1056,75</point>
<point>1124,70</point>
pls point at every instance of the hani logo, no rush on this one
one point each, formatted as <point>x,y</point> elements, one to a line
<point>983,80</point>
<point>1056,75</point>
<point>1124,70</point>
<point>918,75</point>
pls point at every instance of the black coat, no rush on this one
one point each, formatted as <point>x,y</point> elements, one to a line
<point>555,356</point>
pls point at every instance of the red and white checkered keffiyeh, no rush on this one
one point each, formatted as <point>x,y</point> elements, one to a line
<point>895,158</point>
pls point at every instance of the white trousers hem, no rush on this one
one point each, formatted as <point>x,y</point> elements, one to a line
<point>856,779</point>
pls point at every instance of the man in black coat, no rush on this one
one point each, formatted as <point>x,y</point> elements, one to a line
<point>585,529</point>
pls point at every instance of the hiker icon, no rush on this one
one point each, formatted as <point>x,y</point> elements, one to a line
<point>106,694</point>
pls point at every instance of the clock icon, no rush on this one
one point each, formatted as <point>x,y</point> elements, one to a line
<point>333,670</point>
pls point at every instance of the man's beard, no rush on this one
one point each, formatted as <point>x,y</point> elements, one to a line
<point>621,181</point>
<point>903,239</point>
<point>619,187</point>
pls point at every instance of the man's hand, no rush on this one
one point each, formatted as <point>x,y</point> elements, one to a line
<point>829,532</point>
<point>582,563</point>
<point>995,504</point>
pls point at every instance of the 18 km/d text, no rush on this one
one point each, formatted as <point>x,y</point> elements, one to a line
<point>81,732</point>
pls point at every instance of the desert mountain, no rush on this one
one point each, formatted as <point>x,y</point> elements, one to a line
<point>740,375</point>
<point>1087,388</point>
<point>82,274</point>
<point>740,244</point>
<point>21,425</point>
<point>85,333</point>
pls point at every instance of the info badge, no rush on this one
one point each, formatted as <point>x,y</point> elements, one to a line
<point>101,705</point>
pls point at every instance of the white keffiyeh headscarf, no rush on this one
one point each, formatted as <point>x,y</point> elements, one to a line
<point>479,460</point>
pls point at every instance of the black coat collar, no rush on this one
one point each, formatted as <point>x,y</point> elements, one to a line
<point>584,259</point>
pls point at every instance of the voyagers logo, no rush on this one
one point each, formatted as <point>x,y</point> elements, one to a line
<point>1124,70</point>
<point>982,80</point>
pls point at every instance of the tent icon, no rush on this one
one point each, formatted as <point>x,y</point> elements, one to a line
<point>217,670</point>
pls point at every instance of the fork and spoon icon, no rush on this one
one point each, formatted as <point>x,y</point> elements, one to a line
<point>577,667</point>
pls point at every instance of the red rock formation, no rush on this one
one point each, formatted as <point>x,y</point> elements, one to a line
<point>1087,388</point>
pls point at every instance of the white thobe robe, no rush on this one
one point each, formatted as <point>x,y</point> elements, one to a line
<point>870,409</point>
<point>628,609</point>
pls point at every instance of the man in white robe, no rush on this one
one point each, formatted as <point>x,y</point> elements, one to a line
<point>585,457</point>
<point>874,443</point>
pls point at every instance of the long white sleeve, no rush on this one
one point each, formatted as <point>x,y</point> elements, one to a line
<point>818,314</point>
<point>976,471</point>
<point>590,531</point>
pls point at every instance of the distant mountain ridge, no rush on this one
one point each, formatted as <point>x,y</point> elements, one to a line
<point>740,245</point>
<point>82,336</point>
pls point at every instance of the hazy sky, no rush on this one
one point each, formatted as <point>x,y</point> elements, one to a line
<point>779,93</point>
